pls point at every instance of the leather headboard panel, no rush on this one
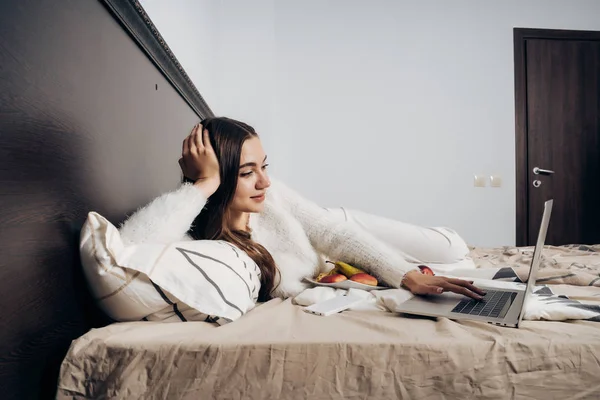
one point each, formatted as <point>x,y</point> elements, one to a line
<point>87,122</point>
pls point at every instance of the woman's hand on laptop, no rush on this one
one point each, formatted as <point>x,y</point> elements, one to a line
<point>422,284</point>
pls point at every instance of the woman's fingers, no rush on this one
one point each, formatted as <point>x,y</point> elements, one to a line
<point>186,146</point>
<point>425,284</point>
<point>187,141</point>
<point>195,129</point>
<point>461,290</point>
<point>198,139</point>
<point>468,284</point>
<point>206,140</point>
<point>431,289</point>
<point>194,145</point>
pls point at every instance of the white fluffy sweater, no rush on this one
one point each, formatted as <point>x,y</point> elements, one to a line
<point>299,234</point>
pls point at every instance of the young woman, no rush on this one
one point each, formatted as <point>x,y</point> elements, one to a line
<point>228,195</point>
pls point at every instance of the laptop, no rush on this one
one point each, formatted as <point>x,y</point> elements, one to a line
<point>499,306</point>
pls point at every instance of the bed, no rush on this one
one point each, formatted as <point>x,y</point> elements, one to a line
<point>94,106</point>
<point>277,351</point>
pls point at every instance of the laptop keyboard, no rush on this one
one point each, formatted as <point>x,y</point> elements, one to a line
<point>490,306</point>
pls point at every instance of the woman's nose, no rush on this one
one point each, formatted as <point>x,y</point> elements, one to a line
<point>264,181</point>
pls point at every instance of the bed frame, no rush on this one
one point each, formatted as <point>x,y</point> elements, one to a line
<point>94,106</point>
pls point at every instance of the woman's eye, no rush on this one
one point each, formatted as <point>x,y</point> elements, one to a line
<point>251,172</point>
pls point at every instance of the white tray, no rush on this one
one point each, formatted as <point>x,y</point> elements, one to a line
<point>347,284</point>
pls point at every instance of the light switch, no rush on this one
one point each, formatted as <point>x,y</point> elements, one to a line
<point>479,180</point>
<point>495,181</point>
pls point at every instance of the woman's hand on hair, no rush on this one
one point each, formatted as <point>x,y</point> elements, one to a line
<point>198,160</point>
<point>422,284</point>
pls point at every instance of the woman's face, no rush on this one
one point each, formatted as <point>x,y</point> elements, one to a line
<point>253,180</point>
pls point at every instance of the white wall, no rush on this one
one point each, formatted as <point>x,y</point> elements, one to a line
<point>385,106</point>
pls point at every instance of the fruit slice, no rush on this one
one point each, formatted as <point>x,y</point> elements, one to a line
<point>364,278</point>
<point>333,278</point>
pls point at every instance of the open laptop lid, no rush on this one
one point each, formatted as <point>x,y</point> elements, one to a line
<point>537,253</point>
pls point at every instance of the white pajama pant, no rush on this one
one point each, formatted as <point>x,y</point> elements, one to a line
<point>440,248</point>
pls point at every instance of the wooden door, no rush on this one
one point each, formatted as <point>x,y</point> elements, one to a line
<point>557,77</point>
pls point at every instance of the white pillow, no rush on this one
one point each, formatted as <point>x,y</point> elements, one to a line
<point>189,280</point>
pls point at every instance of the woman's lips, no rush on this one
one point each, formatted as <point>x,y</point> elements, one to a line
<point>258,198</point>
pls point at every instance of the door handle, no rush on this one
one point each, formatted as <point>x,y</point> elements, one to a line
<point>538,170</point>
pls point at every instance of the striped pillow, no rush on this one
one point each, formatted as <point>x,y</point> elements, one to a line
<point>201,280</point>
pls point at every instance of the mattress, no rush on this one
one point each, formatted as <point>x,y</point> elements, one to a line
<point>277,351</point>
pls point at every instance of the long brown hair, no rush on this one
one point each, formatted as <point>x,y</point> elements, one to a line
<point>227,137</point>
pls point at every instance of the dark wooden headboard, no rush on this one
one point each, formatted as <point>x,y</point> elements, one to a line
<point>93,109</point>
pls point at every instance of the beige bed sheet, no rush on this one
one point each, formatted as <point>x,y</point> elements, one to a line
<point>279,352</point>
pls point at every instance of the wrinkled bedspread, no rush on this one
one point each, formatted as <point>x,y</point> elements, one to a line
<point>277,351</point>
<point>574,265</point>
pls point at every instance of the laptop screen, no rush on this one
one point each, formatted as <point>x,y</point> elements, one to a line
<point>537,253</point>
